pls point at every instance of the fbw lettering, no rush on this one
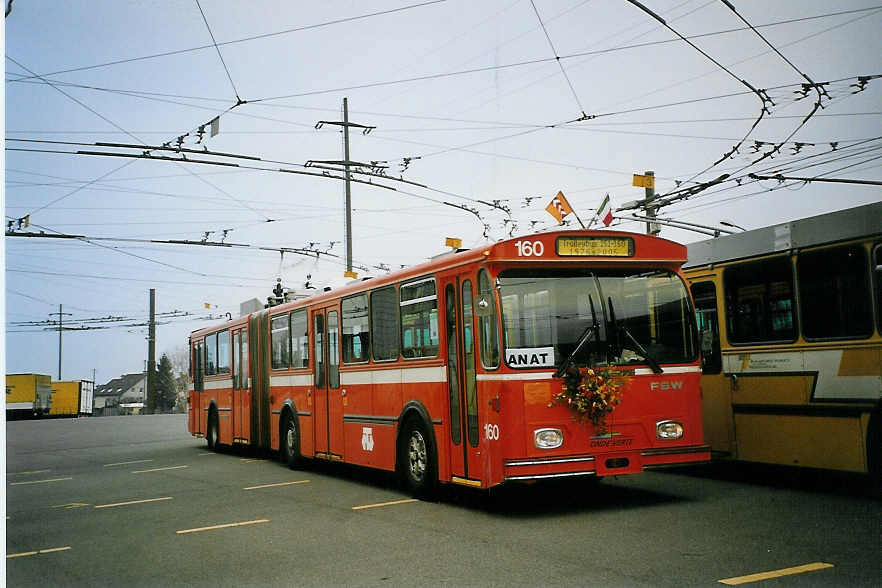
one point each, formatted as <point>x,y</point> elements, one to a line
<point>666,386</point>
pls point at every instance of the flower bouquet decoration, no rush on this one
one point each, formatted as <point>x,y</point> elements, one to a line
<point>590,395</point>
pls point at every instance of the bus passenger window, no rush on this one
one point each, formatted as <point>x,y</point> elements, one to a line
<point>877,273</point>
<point>760,305</point>
<point>211,354</point>
<point>333,351</point>
<point>834,293</point>
<point>705,296</point>
<point>223,352</point>
<point>281,355</point>
<point>299,340</point>
<point>384,324</point>
<point>356,335</point>
<point>419,319</point>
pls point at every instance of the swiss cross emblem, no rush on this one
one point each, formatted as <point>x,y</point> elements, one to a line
<point>367,438</point>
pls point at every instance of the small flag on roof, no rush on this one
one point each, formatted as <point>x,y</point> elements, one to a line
<point>559,207</point>
<point>604,212</point>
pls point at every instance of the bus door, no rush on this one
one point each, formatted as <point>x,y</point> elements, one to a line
<point>241,387</point>
<point>328,404</point>
<point>196,424</point>
<point>461,378</point>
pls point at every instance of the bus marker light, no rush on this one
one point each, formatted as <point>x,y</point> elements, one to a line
<point>547,438</point>
<point>669,430</point>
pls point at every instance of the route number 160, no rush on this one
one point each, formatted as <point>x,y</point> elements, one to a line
<point>491,432</point>
<point>530,248</point>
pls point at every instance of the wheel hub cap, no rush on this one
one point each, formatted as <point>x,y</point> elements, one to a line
<point>417,456</point>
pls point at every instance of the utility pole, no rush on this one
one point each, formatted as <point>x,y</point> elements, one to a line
<point>347,164</point>
<point>151,348</point>
<point>652,228</point>
<point>348,202</point>
<point>61,316</point>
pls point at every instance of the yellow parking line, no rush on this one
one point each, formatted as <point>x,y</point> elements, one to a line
<point>71,505</point>
<point>39,481</point>
<point>27,553</point>
<point>775,574</point>
<point>133,502</point>
<point>160,469</point>
<point>110,465</point>
<point>249,460</point>
<point>274,485</point>
<point>27,473</point>
<point>405,501</point>
<point>224,526</point>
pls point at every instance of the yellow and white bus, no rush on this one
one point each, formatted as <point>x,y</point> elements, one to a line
<point>790,318</point>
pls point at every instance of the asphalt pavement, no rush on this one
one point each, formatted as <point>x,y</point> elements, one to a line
<point>136,501</point>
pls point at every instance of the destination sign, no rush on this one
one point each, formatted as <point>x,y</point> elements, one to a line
<point>595,246</point>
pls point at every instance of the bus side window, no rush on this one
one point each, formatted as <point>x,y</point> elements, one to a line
<point>487,327</point>
<point>760,302</point>
<point>834,294</point>
<point>877,278</point>
<point>705,296</point>
<point>211,354</point>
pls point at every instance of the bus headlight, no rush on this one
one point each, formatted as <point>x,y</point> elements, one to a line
<point>668,430</point>
<point>547,438</point>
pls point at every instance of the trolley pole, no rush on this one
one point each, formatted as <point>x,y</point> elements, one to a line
<point>61,316</point>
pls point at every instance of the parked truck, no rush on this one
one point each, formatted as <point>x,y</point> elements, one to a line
<point>71,398</point>
<point>28,396</point>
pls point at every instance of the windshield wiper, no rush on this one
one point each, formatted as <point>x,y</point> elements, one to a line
<point>590,330</point>
<point>656,369</point>
<point>623,330</point>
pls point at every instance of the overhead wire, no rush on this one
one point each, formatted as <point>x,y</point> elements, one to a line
<point>557,58</point>
<point>247,39</point>
<point>219,54</point>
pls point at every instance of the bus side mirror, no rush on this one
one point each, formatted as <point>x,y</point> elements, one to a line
<point>483,307</point>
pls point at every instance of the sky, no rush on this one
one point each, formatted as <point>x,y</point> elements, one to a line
<point>479,113</point>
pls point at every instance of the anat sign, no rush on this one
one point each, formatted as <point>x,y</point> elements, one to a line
<point>530,357</point>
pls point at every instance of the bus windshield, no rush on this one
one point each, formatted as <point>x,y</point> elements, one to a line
<point>620,317</point>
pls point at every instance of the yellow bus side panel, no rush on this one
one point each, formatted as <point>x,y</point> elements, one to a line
<point>818,442</point>
<point>716,412</point>
<point>784,389</point>
<point>861,362</point>
<point>65,398</point>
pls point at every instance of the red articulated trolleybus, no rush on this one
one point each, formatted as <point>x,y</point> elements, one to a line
<point>451,371</point>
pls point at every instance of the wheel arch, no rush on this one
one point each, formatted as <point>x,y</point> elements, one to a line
<point>415,409</point>
<point>288,409</point>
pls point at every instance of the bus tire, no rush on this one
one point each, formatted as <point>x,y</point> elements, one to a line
<point>289,441</point>
<point>212,435</point>
<point>417,459</point>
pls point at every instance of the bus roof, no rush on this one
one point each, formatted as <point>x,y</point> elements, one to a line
<point>645,248</point>
<point>851,223</point>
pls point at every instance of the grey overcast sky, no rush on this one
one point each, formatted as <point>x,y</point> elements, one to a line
<point>477,102</point>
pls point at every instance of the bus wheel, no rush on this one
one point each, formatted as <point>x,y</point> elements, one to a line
<point>417,460</point>
<point>289,442</point>
<point>213,433</point>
